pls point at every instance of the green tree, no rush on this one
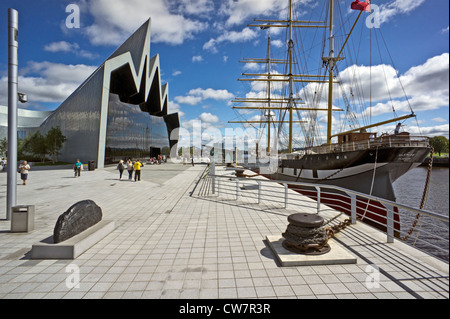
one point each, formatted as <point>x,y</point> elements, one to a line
<point>3,146</point>
<point>54,140</point>
<point>34,145</point>
<point>440,144</point>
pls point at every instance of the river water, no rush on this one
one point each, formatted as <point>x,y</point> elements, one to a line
<point>408,190</point>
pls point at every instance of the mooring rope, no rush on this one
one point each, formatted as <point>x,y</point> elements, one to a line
<point>423,201</point>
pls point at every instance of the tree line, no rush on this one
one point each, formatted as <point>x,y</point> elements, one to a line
<point>37,146</point>
<point>439,144</point>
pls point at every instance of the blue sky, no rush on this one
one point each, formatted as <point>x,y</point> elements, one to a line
<point>201,41</point>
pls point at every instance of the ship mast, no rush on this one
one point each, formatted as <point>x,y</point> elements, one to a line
<point>290,101</point>
<point>269,112</point>
<point>291,78</point>
<point>331,64</point>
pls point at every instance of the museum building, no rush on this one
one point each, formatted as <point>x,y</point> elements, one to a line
<point>120,111</point>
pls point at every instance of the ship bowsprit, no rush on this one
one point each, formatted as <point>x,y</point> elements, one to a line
<point>305,235</point>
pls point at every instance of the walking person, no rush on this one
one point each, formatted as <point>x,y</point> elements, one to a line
<point>77,168</point>
<point>4,162</point>
<point>137,170</point>
<point>23,169</point>
<point>130,169</point>
<point>120,167</point>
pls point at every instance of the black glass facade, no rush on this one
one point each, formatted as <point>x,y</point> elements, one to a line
<point>132,133</point>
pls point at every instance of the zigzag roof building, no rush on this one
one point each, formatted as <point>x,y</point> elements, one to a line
<point>120,111</point>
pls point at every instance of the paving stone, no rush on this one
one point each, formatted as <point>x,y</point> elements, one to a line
<point>168,244</point>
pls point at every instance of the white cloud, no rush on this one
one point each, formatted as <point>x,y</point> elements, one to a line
<point>245,35</point>
<point>389,10</point>
<point>439,119</point>
<point>254,66</point>
<point>176,73</point>
<point>175,107</point>
<point>197,58</point>
<point>61,46</point>
<point>49,82</point>
<point>277,43</point>
<point>195,7</point>
<point>64,46</point>
<point>426,87</point>
<point>195,96</point>
<point>211,94</point>
<point>209,118</point>
<point>191,100</point>
<point>115,20</point>
<point>239,11</point>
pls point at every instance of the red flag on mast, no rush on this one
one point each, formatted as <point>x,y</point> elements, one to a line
<point>361,5</point>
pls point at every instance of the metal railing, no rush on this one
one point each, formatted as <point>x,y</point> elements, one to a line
<point>423,229</point>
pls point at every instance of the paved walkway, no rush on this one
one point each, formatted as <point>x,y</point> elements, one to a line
<point>168,244</point>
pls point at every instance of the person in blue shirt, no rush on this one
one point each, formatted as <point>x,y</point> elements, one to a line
<point>77,168</point>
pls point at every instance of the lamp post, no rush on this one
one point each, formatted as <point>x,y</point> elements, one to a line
<point>13,29</point>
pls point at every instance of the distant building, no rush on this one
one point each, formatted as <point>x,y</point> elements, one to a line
<point>120,111</point>
<point>28,121</point>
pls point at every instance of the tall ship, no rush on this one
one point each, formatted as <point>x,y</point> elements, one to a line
<point>318,81</point>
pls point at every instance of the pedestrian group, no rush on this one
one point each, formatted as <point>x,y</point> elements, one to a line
<point>130,167</point>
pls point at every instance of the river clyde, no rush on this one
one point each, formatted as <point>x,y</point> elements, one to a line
<point>409,189</point>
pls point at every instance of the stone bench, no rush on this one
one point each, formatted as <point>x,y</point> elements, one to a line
<point>74,246</point>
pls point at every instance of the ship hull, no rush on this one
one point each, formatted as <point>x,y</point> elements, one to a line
<point>370,171</point>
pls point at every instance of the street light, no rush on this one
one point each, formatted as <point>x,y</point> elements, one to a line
<point>13,96</point>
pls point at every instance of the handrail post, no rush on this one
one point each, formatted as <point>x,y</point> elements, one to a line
<point>212,172</point>
<point>353,208</point>
<point>218,187</point>
<point>259,191</point>
<point>390,223</point>
<point>318,198</point>
<point>285,195</point>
